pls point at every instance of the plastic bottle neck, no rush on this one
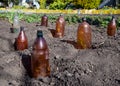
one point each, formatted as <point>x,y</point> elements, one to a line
<point>21,28</point>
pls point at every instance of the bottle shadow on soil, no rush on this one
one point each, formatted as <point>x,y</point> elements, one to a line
<point>27,79</point>
<point>14,44</point>
<point>93,46</point>
<point>72,43</point>
<point>26,62</point>
<point>52,32</point>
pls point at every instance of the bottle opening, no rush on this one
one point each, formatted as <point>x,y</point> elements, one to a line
<point>45,15</point>
<point>84,19</point>
<point>39,33</point>
<point>113,17</point>
<point>21,28</point>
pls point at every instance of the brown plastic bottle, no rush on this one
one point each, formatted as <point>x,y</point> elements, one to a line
<point>60,27</point>
<point>44,20</point>
<point>21,41</point>
<point>84,35</point>
<point>111,29</point>
<point>39,60</point>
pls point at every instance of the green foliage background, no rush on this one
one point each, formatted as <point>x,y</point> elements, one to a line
<point>87,4</point>
<point>59,4</point>
<point>101,21</point>
<point>42,4</point>
<point>62,4</point>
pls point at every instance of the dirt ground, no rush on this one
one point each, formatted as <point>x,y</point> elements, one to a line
<point>98,66</point>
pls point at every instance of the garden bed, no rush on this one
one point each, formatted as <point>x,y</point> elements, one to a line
<point>97,66</point>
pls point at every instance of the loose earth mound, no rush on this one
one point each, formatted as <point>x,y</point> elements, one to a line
<point>97,66</point>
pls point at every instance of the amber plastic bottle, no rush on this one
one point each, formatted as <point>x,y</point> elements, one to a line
<point>21,41</point>
<point>60,27</point>
<point>40,61</point>
<point>111,29</point>
<point>84,35</point>
<point>44,20</point>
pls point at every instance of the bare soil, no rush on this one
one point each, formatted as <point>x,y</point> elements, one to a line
<point>97,66</point>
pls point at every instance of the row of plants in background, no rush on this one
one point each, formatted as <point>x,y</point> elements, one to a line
<point>63,4</point>
<point>87,4</point>
<point>70,18</point>
<point>72,4</point>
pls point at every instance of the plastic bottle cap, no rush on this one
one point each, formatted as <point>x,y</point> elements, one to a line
<point>113,17</point>
<point>84,19</point>
<point>44,14</point>
<point>21,28</point>
<point>61,14</point>
<point>39,33</point>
